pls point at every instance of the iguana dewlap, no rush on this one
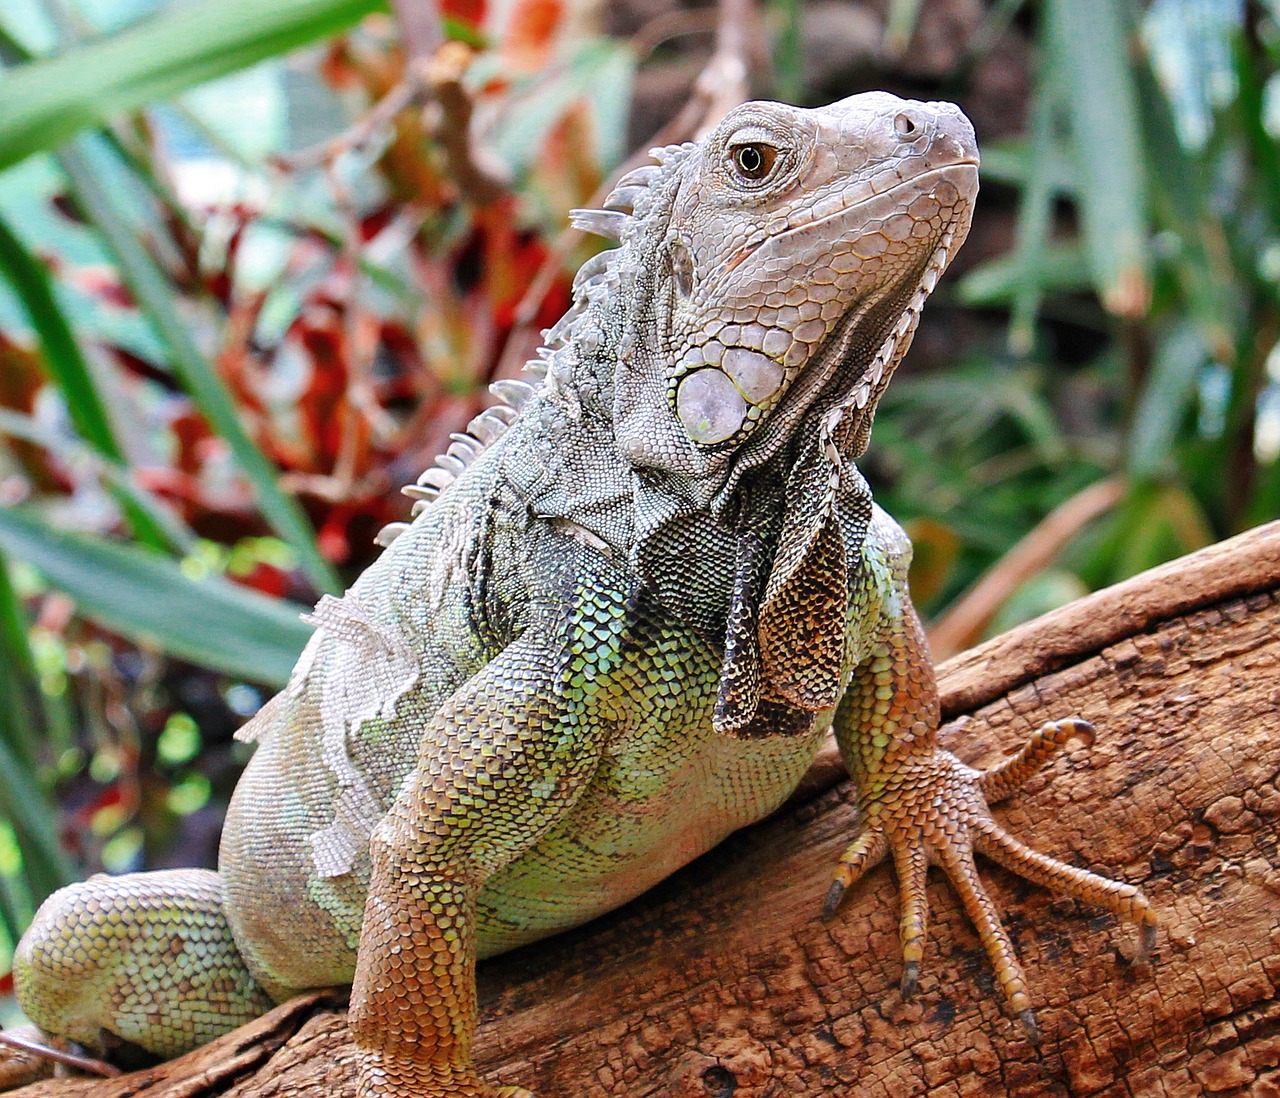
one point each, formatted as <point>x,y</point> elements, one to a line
<point>650,584</point>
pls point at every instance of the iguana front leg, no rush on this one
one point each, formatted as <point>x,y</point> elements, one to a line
<point>923,806</point>
<point>502,762</point>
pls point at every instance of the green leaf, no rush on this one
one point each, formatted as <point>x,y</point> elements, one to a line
<point>32,816</point>
<point>19,721</point>
<point>22,800</point>
<point>1089,49</point>
<point>1055,267</point>
<point>900,26</point>
<point>788,49</point>
<point>1183,208</point>
<point>1163,402</point>
<point>1155,524</point>
<point>61,354</point>
<point>1042,593</point>
<point>1256,115</point>
<point>156,299</point>
<point>1035,220</point>
<point>149,599</point>
<point>1013,163</point>
<point>45,103</point>
<point>11,922</point>
<point>66,365</point>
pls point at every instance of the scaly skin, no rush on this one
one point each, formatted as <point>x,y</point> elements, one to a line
<point>620,632</point>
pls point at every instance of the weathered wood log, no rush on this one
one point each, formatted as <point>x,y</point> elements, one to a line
<point>726,981</point>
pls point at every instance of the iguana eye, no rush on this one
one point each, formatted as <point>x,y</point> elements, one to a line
<point>753,161</point>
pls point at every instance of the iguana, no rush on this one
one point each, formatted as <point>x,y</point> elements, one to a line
<point>633,601</point>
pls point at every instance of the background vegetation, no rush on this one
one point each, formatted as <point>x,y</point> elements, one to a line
<point>243,298</point>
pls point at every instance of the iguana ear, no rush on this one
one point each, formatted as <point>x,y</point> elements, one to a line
<point>803,614</point>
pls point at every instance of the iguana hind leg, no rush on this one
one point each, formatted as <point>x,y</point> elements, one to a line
<point>146,958</point>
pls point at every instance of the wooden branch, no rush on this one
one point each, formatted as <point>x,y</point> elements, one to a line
<point>725,981</point>
<point>476,171</point>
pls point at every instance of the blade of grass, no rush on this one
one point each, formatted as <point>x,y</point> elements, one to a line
<point>788,50</point>
<point>11,923</point>
<point>999,281</point>
<point>1253,115</point>
<point>154,296</point>
<point>12,52</point>
<point>149,599</point>
<point>1203,265</point>
<point>1090,43</point>
<point>32,815</point>
<point>151,288</point>
<point>1164,399</point>
<point>899,26</point>
<point>1035,217</point>
<point>70,372</point>
<point>22,799</point>
<point>19,717</point>
<point>43,712</point>
<point>45,103</point>
<point>31,282</point>
<point>1260,328</point>
<point>1009,162</point>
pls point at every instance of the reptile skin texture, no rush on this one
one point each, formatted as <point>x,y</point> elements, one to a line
<point>633,601</point>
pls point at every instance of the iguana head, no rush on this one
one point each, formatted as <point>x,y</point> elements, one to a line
<point>776,272</point>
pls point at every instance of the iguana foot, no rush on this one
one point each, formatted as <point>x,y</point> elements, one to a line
<point>932,810</point>
<point>383,1076</point>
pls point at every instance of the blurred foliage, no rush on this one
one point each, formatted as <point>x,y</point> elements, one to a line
<point>226,337</point>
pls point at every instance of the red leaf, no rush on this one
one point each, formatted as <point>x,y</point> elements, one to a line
<point>531,32</point>
<point>470,12</point>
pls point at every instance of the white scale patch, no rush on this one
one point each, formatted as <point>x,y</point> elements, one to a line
<point>369,666</point>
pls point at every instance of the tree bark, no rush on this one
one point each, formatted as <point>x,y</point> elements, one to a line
<point>726,981</point>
